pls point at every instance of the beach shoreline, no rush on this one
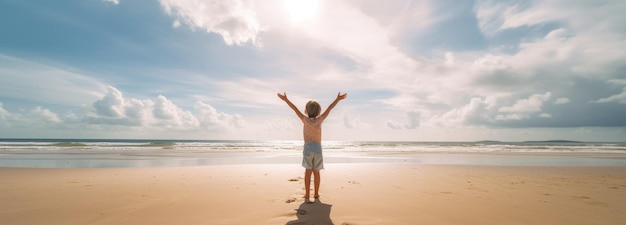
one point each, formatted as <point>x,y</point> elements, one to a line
<point>352,193</point>
<point>160,158</point>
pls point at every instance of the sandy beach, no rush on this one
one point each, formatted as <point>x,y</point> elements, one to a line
<point>350,194</point>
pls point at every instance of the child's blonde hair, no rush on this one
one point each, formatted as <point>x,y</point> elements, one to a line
<point>312,109</point>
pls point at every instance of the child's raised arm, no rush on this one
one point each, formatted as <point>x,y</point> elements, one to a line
<point>291,105</point>
<point>332,105</point>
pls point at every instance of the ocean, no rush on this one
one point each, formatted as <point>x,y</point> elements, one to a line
<point>97,153</point>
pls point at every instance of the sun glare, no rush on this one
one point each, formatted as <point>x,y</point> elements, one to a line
<point>300,10</point>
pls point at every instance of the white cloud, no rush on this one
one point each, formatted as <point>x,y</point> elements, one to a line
<point>9,120</point>
<point>44,115</point>
<point>394,125</point>
<point>176,24</point>
<point>161,113</point>
<point>413,121</point>
<point>209,117</point>
<point>35,118</point>
<point>495,16</point>
<point>114,2</point>
<point>167,114</point>
<point>531,104</point>
<point>490,15</point>
<point>165,109</point>
<point>4,114</point>
<point>475,112</point>
<point>138,110</point>
<point>345,30</point>
<point>561,101</point>
<point>550,62</point>
<point>512,116</point>
<point>111,105</point>
<point>618,98</point>
<point>525,108</point>
<point>234,20</point>
<point>617,82</point>
<point>586,41</point>
<point>545,115</point>
<point>350,121</point>
<point>487,112</point>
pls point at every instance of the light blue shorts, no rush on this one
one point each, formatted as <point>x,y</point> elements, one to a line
<point>312,156</point>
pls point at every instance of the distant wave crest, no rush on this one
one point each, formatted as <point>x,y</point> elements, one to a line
<point>69,144</point>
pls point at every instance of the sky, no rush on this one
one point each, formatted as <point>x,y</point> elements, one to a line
<point>433,70</point>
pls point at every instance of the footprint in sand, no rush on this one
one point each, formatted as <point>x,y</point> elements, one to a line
<point>290,200</point>
<point>589,201</point>
<point>295,179</point>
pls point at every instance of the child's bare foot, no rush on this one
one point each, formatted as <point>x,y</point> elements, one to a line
<point>306,196</point>
<point>317,196</point>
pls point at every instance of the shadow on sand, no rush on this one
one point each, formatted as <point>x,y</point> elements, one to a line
<point>312,213</point>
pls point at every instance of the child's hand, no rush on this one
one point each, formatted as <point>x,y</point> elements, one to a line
<point>342,96</point>
<point>283,96</point>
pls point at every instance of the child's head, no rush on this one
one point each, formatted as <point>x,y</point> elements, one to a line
<point>312,109</point>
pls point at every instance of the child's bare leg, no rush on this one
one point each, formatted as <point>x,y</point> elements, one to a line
<point>307,183</point>
<point>316,176</point>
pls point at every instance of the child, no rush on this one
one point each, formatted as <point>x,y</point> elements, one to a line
<point>312,159</point>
